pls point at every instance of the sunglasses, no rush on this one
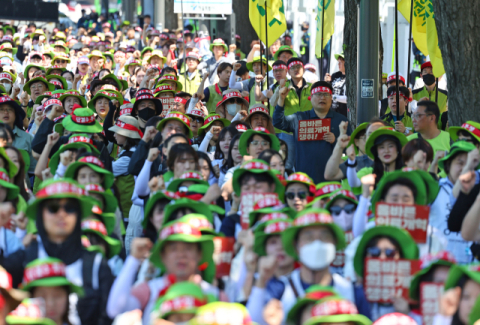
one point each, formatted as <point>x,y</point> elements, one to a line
<point>300,195</point>
<point>198,119</point>
<point>60,61</point>
<point>336,210</point>
<point>69,207</point>
<point>376,252</point>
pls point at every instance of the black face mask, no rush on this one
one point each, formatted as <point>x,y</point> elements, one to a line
<point>146,113</point>
<point>429,79</point>
<point>238,44</point>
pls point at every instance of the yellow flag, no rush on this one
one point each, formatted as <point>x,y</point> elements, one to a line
<point>424,30</point>
<point>329,24</point>
<point>432,44</point>
<point>276,22</point>
<point>419,24</point>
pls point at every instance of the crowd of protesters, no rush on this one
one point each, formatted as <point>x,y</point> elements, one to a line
<point>152,177</point>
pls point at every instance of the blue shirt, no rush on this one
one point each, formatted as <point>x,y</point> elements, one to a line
<point>310,156</point>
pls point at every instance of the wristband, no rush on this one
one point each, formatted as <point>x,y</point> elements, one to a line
<point>351,165</point>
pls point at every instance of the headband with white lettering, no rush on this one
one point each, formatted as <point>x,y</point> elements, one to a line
<point>296,62</point>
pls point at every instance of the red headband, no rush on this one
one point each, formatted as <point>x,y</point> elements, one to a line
<point>321,89</point>
<point>280,67</point>
<point>291,64</point>
<point>180,100</point>
<point>129,127</point>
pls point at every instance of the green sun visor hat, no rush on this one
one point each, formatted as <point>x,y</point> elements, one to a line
<point>170,77</point>
<point>409,248</point>
<point>152,200</point>
<point>110,202</point>
<point>313,294</point>
<point>176,116</point>
<point>196,206</point>
<point>98,228</point>
<point>284,48</point>
<point>30,312</point>
<point>180,298</point>
<point>256,166</point>
<point>426,186</point>
<point>11,167</point>
<point>82,120</point>
<point>61,81</point>
<point>189,176</point>
<point>53,189</point>
<point>55,67</point>
<point>269,228</point>
<point>50,87</point>
<point>429,262</point>
<point>307,218</point>
<point>219,42</point>
<point>257,59</point>
<point>470,126</point>
<point>95,164</point>
<point>73,93</point>
<point>12,189</point>
<point>341,194</point>
<point>382,134</point>
<point>115,79</point>
<point>456,148</point>
<point>75,142</point>
<point>358,129</point>
<point>472,271</point>
<point>47,272</point>
<point>333,310</point>
<point>209,119</point>
<point>181,231</point>
<point>275,143</point>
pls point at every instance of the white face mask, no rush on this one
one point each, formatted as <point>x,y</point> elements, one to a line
<point>69,85</point>
<point>233,109</point>
<point>8,87</point>
<point>344,220</point>
<point>317,255</point>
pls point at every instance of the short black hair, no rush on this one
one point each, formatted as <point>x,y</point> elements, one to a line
<point>465,133</point>
<point>399,181</point>
<point>293,59</point>
<point>243,69</point>
<point>182,94</point>
<point>147,16</point>
<point>223,66</point>
<point>153,121</point>
<point>176,135</point>
<point>263,136</point>
<point>430,108</point>
<point>259,178</point>
<point>168,70</point>
<point>403,90</point>
<point>278,62</point>
<point>322,84</point>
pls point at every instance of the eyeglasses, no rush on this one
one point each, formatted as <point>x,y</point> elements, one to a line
<point>7,110</point>
<point>37,85</point>
<point>336,210</point>
<point>198,119</point>
<point>60,61</point>
<point>301,195</point>
<point>296,67</point>
<point>417,115</point>
<point>376,252</point>
<point>256,143</point>
<point>54,207</point>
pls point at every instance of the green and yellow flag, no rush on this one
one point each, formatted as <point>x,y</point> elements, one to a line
<point>276,22</point>
<point>328,27</point>
<point>424,30</point>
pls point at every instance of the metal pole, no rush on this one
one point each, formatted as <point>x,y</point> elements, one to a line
<point>367,61</point>
<point>436,91</point>
<point>323,24</point>
<point>397,96</point>
<point>409,45</point>
<point>330,56</point>
<point>184,51</point>
<point>266,56</point>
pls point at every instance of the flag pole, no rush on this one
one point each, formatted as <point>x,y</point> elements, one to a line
<point>409,45</point>
<point>266,50</point>
<point>397,96</point>
<point>436,91</point>
<point>321,46</point>
<point>261,51</point>
<point>184,51</point>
